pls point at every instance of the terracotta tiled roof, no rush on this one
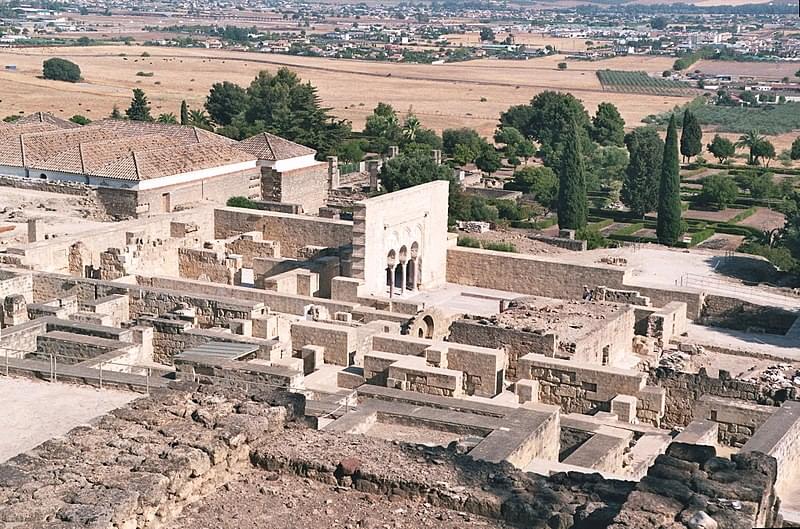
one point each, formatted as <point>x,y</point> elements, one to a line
<point>266,146</point>
<point>116,149</point>
<point>45,117</point>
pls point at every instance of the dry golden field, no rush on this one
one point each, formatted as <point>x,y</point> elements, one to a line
<point>564,45</point>
<point>460,94</point>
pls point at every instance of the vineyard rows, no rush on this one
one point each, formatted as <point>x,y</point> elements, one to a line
<point>641,83</point>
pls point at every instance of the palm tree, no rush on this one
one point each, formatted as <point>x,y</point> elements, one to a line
<point>199,118</point>
<point>168,118</point>
<point>411,127</point>
<point>751,140</point>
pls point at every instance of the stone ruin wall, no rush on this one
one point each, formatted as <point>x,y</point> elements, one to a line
<point>733,313</point>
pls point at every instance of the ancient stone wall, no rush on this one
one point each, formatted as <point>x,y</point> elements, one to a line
<point>527,274</point>
<point>517,343</point>
<point>206,265</point>
<point>13,283</point>
<point>684,389</point>
<point>737,420</point>
<point>733,313</point>
<point>292,232</point>
<point>307,186</point>
<point>217,190</point>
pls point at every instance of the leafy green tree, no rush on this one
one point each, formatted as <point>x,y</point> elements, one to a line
<point>669,227</point>
<point>691,136</point>
<point>225,101</point>
<point>139,110</point>
<point>184,113</point>
<point>351,151</point>
<point>411,126</point>
<point>764,150</point>
<point>719,190</point>
<point>721,148</point>
<point>412,169</point>
<point>57,69</point>
<point>80,120</point>
<point>751,140</point>
<point>659,22</point>
<point>572,204</point>
<point>605,165</point>
<point>382,128</point>
<point>608,127</point>
<point>487,34</point>
<point>283,105</point>
<point>549,121</point>
<point>488,160</point>
<point>794,154</point>
<point>467,138</point>
<point>539,181</point>
<point>758,184</point>
<point>198,118</point>
<point>167,118</point>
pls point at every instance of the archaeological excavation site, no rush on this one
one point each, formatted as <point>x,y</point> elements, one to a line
<point>332,358</point>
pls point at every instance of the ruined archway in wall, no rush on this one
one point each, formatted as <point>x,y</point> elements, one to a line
<point>431,323</point>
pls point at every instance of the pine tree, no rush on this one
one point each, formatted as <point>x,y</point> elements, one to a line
<point>572,208</point>
<point>184,113</point>
<point>140,107</point>
<point>115,113</point>
<point>691,136</point>
<point>669,226</point>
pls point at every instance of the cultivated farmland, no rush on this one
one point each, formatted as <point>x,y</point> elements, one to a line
<point>641,83</point>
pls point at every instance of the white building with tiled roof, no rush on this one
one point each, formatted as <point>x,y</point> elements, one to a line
<point>146,167</point>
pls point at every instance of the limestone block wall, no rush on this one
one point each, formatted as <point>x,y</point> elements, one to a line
<point>339,341</point>
<point>733,313</point>
<point>250,247</point>
<point>307,186</point>
<point>527,274</point>
<point>602,452</point>
<point>659,297</point>
<point>292,232</point>
<point>737,420</point>
<point>217,189</point>
<point>117,307</point>
<point>16,283</point>
<point>206,265</point>
<point>517,343</point>
<point>581,389</point>
<point>684,389</point>
<point>411,373</point>
<point>483,368</point>
<point>779,437</point>
<point>615,335</point>
<point>20,339</point>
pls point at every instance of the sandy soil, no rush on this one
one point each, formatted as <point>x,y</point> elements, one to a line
<point>264,499</point>
<point>766,70</point>
<point>714,216</point>
<point>34,411</point>
<point>447,95</point>
<point>61,214</point>
<point>764,219</point>
<point>519,238</point>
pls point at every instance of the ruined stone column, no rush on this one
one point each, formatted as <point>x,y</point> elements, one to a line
<point>33,229</point>
<point>333,172</point>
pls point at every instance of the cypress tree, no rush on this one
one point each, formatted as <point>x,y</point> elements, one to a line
<point>668,228</point>
<point>140,107</point>
<point>184,113</point>
<point>572,183</point>
<point>691,136</point>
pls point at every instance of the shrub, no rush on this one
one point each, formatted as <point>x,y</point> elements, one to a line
<point>241,202</point>
<point>500,247</point>
<point>57,69</point>
<point>780,257</point>
<point>80,120</point>
<point>700,236</point>
<point>468,242</point>
<point>592,236</point>
<point>145,74</point>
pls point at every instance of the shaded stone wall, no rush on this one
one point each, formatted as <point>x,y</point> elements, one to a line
<point>527,274</point>
<point>733,313</point>
<point>307,186</point>
<point>684,389</point>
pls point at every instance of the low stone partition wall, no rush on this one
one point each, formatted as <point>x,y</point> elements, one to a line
<point>141,464</point>
<point>699,432</point>
<point>575,245</point>
<point>734,313</point>
<point>72,348</point>
<point>684,389</point>
<point>236,373</point>
<point>602,452</point>
<point>339,341</point>
<point>584,389</point>
<point>779,437</point>
<point>737,420</point>
<point>527,274</point>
